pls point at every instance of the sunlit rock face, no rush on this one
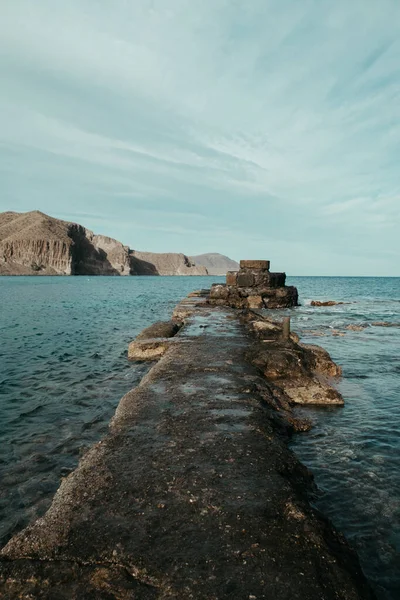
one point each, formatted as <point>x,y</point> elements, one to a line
<point>33,243</point>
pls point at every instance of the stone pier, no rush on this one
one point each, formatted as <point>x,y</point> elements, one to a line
<point>254,286</point>
<point>194,494</point>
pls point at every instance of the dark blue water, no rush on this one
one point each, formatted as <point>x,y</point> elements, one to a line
<point>354,452</point>
<point>63,369</point>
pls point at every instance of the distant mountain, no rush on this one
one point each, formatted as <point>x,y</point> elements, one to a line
<point>165,264</point>
<point>34,243</point>
<point>216,264</point>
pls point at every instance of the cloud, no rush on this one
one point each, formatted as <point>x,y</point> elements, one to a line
<point>270,120</point>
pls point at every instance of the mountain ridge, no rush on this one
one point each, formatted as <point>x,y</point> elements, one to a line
<point>34,243</point>
<point>215,263</point>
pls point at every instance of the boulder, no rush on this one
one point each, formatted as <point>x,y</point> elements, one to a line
<point>161,329</point>
<point>320,361</point>
<point>356,327</point>
<point>152,342</point>
<point>302,371</point>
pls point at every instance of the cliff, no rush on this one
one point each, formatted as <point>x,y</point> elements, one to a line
<point>216,264</point>
<point>34,243</point>
<point>97,254</point>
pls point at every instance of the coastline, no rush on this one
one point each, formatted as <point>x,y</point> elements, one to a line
<point>167,423</point>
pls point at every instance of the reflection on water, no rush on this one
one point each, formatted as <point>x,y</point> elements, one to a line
<point>63,369</point>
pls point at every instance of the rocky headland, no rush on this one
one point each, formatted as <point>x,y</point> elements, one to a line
<point>34,243</point>
<point>194,492</point>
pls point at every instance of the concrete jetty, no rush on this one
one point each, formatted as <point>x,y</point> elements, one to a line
<point>194,494</point>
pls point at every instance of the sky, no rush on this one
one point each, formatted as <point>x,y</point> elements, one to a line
<point>257,129</point>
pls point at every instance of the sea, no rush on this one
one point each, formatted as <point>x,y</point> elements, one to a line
<point>64,368</point>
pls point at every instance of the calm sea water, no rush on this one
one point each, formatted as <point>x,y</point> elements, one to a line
<point>63,369</point>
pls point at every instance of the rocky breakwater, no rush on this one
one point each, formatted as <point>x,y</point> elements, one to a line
<point>253,286</point>
<point>194,492</point>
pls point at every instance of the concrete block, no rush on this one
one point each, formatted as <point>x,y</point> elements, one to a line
<point>267,292</point>
<point>245,280</point>
<point>231,278</point>
<point>262,278</point>
<point>255,264</point>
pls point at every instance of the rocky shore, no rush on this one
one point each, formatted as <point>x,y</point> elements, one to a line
<point>194,492</point>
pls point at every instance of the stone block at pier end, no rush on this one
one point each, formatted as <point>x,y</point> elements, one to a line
<point>255,264</point>
<point>254,286</point>
<point>231,278</point>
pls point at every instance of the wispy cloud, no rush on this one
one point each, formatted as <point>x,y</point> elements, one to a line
<point>273,120</point>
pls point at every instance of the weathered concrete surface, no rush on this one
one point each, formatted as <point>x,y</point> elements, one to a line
<point>192,495</point>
